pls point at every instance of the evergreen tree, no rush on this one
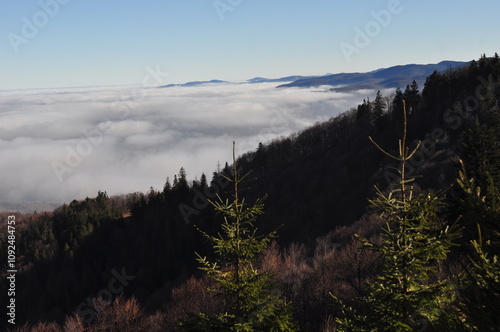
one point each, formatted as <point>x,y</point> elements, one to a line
<point>182,183</point>
<point>412,96</point>
<point>203,181</point>
<point>364,111</point>
<point>176,181</point>
<point>434,89</point>
<point>480,150</point>
<point>405,296</point>
<point>397,107</point>
<point>378,106</point>
<point>249,302</point>
<point>479,299</point>
<point>167,187</point>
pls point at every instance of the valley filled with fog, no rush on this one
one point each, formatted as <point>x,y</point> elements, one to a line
<point>57,145</point>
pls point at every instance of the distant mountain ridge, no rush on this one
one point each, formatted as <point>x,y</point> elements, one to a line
<point>391,77</point>
<point>281,79</point>
<point>194,83</point>
<point>250,81</point>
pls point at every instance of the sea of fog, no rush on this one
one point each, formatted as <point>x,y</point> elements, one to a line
<point>57,145</point>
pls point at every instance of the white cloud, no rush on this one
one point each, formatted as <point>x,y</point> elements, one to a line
<point>126,139</point>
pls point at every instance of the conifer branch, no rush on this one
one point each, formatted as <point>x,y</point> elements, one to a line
<point>382,150</point>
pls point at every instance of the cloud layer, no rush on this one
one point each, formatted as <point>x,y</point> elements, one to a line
<point>64,144</point>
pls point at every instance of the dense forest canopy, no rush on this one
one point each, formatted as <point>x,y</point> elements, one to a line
<point>318,183</point>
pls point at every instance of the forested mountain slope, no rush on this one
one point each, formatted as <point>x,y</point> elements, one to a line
<point>317,180</point>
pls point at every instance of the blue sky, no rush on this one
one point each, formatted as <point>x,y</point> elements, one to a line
<point>93,43</point>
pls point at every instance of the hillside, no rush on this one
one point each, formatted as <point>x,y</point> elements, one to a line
<point>392,77</point>
<point>318,183</point>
